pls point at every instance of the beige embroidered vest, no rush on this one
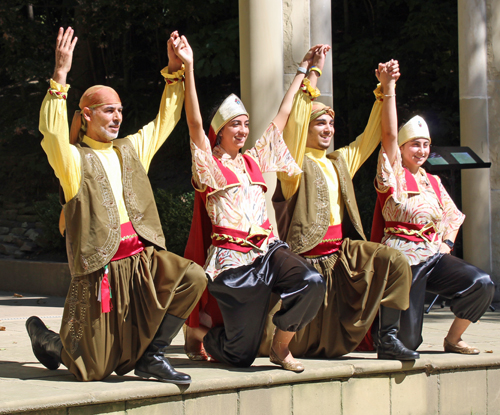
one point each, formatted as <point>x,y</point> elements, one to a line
<point>304,219</point>
<point>92,218</point>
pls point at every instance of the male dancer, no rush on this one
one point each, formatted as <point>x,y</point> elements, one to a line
<point>129,296</point>
<point>318,217</point>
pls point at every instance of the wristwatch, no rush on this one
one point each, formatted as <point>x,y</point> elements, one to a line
<point>449,243</point>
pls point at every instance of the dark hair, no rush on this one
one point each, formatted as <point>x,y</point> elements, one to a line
<point>214,109</point>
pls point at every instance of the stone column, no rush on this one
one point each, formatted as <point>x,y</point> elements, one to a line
<point>493,18</point>
<point>261,70</point>
<point>321,32</point>
<point>307,23</point>
<point>472,32</point>
<point>274,36</point>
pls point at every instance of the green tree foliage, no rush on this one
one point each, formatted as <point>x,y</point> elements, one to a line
<point>121,44</point>
<point>176,211</point>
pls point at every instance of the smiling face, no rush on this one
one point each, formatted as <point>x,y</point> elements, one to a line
<point>234,134</point>
<point>320,132</point>
<point>415,153</point>
<point>103,122</point>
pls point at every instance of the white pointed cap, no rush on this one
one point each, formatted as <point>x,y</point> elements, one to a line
<point>415,128</point>
<point>232,107</point>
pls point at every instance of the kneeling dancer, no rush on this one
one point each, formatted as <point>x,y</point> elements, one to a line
<point>416,216</point>
<point>129,296</point>
<point>318,217</point>
<point>246,263</point>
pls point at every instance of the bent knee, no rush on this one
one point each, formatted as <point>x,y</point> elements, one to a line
<point>487,285</point>
<point>315,282</point>
<point>195,275</point>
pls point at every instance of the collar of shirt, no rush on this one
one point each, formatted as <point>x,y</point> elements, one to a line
<point>316,154</point>
<point>97,145</point>
<point>336,202</point>
<point>221,154</point>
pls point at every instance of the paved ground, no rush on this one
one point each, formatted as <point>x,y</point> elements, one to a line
<point>25,383</point>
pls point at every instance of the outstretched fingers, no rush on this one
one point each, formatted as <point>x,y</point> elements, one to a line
<point>65,40</point>
<point>65,45</point>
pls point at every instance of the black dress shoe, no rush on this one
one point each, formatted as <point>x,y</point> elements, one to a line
<point>46,344</point>
<point>156,365</point>
<point>391,348</point>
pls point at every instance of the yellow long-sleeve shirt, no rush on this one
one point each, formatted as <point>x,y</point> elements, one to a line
<point>355,154</point>
<point>65,158</point>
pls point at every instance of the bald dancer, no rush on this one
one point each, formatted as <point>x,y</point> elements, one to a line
<point>129,296</point>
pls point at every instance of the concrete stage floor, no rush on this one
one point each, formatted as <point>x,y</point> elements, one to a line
<point>25,385</point>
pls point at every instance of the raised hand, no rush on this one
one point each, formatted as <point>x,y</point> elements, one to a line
<point>307,61</point>
<point>185,52</point>
<point>174,62</point>
<point>65,44</point>
<point>319,57</point>
<point>388,73</point>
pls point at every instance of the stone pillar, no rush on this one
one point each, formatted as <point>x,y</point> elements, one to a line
<point>321,32</point>
<point>307,23</point>
<point>274,36</point>
<point>493,18</point>
<point>472,32</point>
<point>261,70</point>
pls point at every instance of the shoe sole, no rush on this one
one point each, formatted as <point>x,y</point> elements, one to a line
<point>145,375</point>
<point>389,357</point>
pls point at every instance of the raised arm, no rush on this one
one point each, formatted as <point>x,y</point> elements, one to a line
<point>63,157</point>
<point>148,140</point>
<point>192,106</point>
<point>388,74</point>
<point>314,57</point>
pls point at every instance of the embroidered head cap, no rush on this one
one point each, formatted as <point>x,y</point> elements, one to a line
<point>232,107</point>
<point>415,128</point>
<point>93,97</point>
<point>318,109</point>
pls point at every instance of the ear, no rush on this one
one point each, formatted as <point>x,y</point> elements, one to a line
<point>87,114</point>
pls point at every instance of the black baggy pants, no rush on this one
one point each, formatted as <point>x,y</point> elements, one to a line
<point>469,289</point>
<point>243,296</point>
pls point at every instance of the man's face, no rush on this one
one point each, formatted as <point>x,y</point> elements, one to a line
<point>103,123</point>
<point>320,132</point>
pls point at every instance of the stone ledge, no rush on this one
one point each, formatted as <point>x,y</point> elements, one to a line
<point>209,379</point>
<point>45,278</point>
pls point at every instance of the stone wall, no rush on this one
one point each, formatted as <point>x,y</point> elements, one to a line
<point>19,230</point>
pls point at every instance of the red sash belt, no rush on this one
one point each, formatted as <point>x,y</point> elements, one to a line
<point>330,243</point>
<point>130,244</point>
<point>241,241</point>
<point>412,231</point>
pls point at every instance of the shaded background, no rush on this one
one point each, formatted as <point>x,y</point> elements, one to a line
<point>123,44</point>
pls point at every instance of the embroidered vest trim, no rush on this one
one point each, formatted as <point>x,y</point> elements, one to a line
<point>304,219</point>
<point>93,234</point>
